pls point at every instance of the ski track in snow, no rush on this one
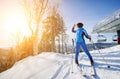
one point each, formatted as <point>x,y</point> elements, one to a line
<point>59,66</point>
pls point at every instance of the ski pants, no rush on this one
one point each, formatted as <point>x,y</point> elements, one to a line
<point>84,47</point>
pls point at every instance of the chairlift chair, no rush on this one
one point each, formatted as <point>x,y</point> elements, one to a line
<point>101,38</point>
<point>114,38</point>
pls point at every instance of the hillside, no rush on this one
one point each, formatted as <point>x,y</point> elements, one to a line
<point>50,65</point>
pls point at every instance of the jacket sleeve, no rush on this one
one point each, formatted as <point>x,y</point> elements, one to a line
<point>73,30</point>
<point>85,33</point>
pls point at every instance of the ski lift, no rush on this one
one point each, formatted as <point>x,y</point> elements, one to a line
<point>101,38</point>
<point>114,38</point>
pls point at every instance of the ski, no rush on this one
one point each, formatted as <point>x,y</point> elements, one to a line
<point>80,68</point>
<point>93,71</point>
<point>90,75</point>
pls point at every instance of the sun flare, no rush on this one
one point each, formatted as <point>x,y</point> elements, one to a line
<point>16,22</point>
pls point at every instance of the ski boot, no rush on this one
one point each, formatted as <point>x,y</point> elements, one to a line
<point>92,62</point>
<point>76,61</point>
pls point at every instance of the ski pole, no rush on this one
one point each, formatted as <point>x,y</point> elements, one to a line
<point>72,53</point>
<point>99,53</point>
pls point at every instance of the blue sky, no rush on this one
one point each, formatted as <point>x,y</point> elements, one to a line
<point>90,12</point>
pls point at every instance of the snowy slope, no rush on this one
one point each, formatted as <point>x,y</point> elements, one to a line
<point>59,66</point>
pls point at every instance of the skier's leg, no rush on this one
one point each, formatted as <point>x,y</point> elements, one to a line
<point>77,52</point>
<point>87,52</point>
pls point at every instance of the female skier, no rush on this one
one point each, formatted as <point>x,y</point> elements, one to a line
<point>80,33</point>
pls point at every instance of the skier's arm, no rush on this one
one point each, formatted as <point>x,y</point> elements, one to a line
<point>73,29</point>
<point>86,34</point>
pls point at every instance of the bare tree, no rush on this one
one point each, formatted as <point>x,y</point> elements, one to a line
<point>35,11</point>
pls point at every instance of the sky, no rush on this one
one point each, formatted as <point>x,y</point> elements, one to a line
<point>89,12</point>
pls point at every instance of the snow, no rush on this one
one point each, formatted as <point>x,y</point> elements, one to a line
<point>50,65</point>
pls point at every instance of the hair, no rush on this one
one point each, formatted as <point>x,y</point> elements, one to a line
<point>80,25</point>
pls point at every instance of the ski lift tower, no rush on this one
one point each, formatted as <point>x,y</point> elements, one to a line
<point>110,24</point>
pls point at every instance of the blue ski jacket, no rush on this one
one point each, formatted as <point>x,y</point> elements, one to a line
<point>80,33</point>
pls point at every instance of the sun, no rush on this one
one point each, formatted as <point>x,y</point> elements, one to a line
<point>13,23</point>
<point>16,23</point>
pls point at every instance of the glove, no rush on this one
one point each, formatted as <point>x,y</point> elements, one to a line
<point>74,25</point>
<point>89,37</point>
